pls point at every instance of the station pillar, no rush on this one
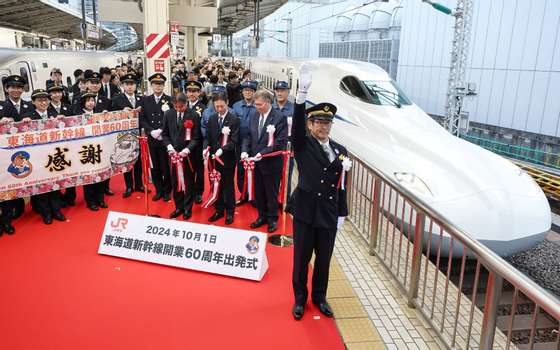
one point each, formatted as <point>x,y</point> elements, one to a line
<point>156,40</point>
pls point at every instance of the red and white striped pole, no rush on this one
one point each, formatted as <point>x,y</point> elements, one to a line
<point>156,42</point>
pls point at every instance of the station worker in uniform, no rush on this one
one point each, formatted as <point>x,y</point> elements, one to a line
<point>221,119</point>
<point>266,123</point>
<point>286,108</point>
<point>12,110</point>
<point>127,101</point>
<point>318,204</point>
<point>151,120</point>
<point>57,106</point>
<point>193,89</point>
<point>181,140</point>
<point>243,109</point>
<point>56,79</point>
<point>94,193</point>
<point>48,204</point>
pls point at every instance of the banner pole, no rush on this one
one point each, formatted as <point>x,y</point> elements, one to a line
<point>283,239</point>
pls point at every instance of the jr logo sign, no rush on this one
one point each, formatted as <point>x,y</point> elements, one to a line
<point>120,222</point>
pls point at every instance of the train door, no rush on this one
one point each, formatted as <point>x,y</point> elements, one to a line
<point>3,74</point>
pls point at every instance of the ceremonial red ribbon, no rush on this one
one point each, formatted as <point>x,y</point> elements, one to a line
<point>215,178</point>
<point>248,183</point>
<point>224,139</point>
<point>270,139</point>
<point>177,163</point>
<point>188,125</point>
<point>145,159</point>
<point>285,155</point>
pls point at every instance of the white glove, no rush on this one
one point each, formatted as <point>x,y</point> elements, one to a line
<point>340,222</point>
<point>159,138</point>
<point>304,82</point>
<point>257,157</point>
<point>156,133</point>
<point>26,119</point>
<point>6,120</point>
<point>170,149</point>
<point>206,153</point>
<point>185,152</point>
<point>219,152</point>
<point>244,155</point>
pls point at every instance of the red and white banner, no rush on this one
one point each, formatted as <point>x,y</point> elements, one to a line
<point>157,45</point>
<point>47,155</point>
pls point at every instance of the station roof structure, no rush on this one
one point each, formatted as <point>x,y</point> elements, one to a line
<point>235,15</point>
<point>46,17</point>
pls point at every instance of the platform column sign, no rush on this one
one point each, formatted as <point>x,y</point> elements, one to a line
<point>156,43</point>
<point>208,248</point>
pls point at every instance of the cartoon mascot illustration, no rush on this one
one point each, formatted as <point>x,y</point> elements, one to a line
<point>21,166</point>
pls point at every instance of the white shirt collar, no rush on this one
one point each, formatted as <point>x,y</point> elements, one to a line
<point>222,116</point>
<point>267,113</point>
<point>56,105</point>
<point>324,143</point>
<point>15,103</point>
<point>129,96</point>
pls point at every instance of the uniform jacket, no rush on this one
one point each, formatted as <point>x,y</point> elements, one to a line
<point>316,199</point>
<point>151,116</point>
<point>174,131</point>
<point>8,110</point>
<point>244,111</point>
<point>214,138</point>
<point>102,104</point>
<point>65,109</point>
<point>252,144</point>
<point>36,116</point>
<point>113,90</point>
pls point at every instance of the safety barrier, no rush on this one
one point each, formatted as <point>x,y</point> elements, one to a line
<point>472,298</point>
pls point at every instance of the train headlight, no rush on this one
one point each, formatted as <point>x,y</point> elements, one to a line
<point>413,183</point>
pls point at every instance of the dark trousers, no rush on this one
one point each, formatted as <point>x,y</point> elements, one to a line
<point>266,194</point>
<point>8,208</point>
<point>46,204</point>
<point>69,195</point>
<point>241,177</point>
<point>306,240</point>
<point>161,176</point>
<point>183,200</point>
<point>291,163</point>
<point>106,184</point>
<point>94,194</point>
<point>133,178</point>
<point>226,195</point>
<point>19,207</point>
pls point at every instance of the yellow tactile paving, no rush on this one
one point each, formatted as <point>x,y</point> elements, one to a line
<point>347,308</point>
<point>340,288</point>
<point>370,345</point>
<point>357,330</point>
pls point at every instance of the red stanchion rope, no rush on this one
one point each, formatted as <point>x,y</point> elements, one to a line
<point>215,178</point>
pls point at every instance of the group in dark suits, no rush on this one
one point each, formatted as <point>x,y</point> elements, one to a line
<point>181,137</point>
<point>266,125</point>
<point>127,101</point>
<point>222,139</point>
<point>151,120</point>
<point>318,204</point>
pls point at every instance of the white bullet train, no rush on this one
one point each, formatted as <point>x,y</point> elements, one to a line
<point>36,65</point>
<point>484,194</point>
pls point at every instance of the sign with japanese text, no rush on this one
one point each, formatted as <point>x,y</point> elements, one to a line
<point>46,155</point>
<point>214,249</point>
<point>159,66</point>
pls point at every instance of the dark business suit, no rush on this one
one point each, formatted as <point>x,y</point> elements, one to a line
<point>199,107</point>
<point>268,171</point>
<point>226,196</point>
<point>119,103</point>
<point>113,92</point>
<point>315,204</point>
<point>174,134</point>
<point>65,110</point>
<point>15,207</point>
<point>151,118</point>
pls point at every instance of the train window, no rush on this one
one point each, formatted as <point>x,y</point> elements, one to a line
<point>386,92</point>
<point>351,86</point>
<point>33,68</point>
<point>25,76</point>
<point>45,65</point>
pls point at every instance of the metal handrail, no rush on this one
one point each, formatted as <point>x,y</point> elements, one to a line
<point>498,268</point>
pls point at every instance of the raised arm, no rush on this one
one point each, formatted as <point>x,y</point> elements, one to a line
<point>298,120</point>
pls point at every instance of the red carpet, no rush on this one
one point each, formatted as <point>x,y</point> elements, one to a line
<point>56,292</point>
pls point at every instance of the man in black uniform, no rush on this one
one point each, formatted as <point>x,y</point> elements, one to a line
<point>57,107</point>
<point>193,94</point>
<point>268,171</point>
<point>221,119</point>
<point>12,110</point>
<point>151,119</point>
<point>107,89</point>
<point>129,100</point>
<point>56,79</point>
<point>181,136</point>
<point>318,205</point>
<point>46,204</point>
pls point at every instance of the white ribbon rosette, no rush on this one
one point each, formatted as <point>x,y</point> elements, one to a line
<point>225,131</point>
<point>270,129</point>
<point>164,107</point>
<point>289,126</point>
<point>346,166</point>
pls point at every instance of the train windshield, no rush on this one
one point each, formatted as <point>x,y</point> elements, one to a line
<point>386,93</point>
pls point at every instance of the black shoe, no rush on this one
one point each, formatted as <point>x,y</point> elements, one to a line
<point>215,217</point>
<point>47,219</point>
<point>272,226</point>
<point>258,223</point>
<point>198,199</point>
<point>229,219</point>
<point>325,308</point>
<point>103,205</point>
<point>58,216</point>
<point>141,189</point>
<point>166,197</point>
<point>297,311</point>
<point>108,192</point>
<point>93,207</point>
<point>9,229</point>
<point>157,197</point>
<point>241,201</point>
<point>187,215</point>
<point>17,214</point>
<point>176,213</point>
<point>254,204</point>
<point>127,193</point>
<point>70,203</point>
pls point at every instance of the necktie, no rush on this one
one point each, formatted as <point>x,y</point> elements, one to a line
<point>157,100</point>
<point>17,107</point>
<point>107,91</point>
<point>220,122</point>
<point>261,124</point>
<point>329,152</point>
<point>132,101</point>
<point>179,118</point>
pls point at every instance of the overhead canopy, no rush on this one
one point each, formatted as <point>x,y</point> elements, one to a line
<point>46,17</point>
<point>235,15</point>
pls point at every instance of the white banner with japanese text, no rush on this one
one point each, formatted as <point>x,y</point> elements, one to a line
<point>214,249</point>
<point>46,155</point>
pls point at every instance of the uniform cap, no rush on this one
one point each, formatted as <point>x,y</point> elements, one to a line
<point>20,154</point>
<point>37,93</point>
<point>281,85</point>
<point>250,84</point>
<point>130,78</point>
<point>92,76</point>
<point>87,94</point>
<point>157,78</point>
<point>14,80</point>
<point>193,84</point>
<point>216,89</point>
<point>56,70</point>
<point>322,111</point>
<point>52,87</point>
